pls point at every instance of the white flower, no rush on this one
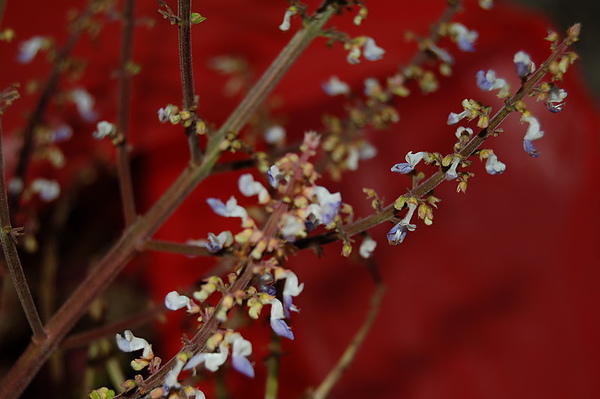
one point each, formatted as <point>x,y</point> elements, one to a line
<point>249,187</point>
<point>175,301</point>
<point>533,131</point>
<point>334,86</point>
<point>554,101</point>
<point>216,243</point>
<point>354,54</point>
<point>460,131</point>
<point>240,350</point>
<point>488,81</point>
<point>452,174</point>
<point>104,129</point>
<point>493,166</point>
<point>292,227</point>
<point>411,162</point>
<point>84,103</point>
<point>231,209</point>
<point>171,379</point>
<point>372,87</point>
<point>278,324</point>
<point>29,48</point>
<point>397,233</point>
<point>291,289</point>
<point>523,64</point>
<point>130,343</point>
<point>464,37</point>
<point>327,208</point>
<point>48,190</point>
<point>371,51</point>
<point>285,25</point>
<point>441,53</point>
<point>212,361</point>
<point>275,134</point>
<point>274,175</point>
<point>367,247</point>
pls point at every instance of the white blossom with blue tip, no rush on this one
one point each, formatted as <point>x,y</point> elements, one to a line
<point>292,288</point>
<point>451,173</point>
<point>84,102</point>
<point>216,243</point>
<point>230,209</point>
<point>334,86</point>
<point>554,101</point>
<point>464,37</point>
<point>487,81</point>
<point>493,165</point>
<point>411,162</point>
<point>397,233</point>
<point>29,48</point>
<point>523,64</point>
<point>372,51</point>
<point>533,133</point>
<point>278,324</point>
<point>326,209</point>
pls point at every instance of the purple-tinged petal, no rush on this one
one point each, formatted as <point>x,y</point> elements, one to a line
<point>280,327</point>
<point>530,149</point>
<point>243,365</point>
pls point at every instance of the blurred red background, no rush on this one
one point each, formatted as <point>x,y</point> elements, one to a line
<point>497,299</point>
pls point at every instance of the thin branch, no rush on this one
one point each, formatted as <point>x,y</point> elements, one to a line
<point>187,75</point>
<point>8,237</point>
<point>176,248</point>
<point>439,177</point>
<point>124,250</point>
<point>85,338</point>
<point>124,100</point>
<point>273,363</point>
<point>347,357</point>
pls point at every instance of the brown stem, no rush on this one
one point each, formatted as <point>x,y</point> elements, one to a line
<point>7,235</point>
<point>124,99</point>
<point>123,251</point>
<point>187,75</point>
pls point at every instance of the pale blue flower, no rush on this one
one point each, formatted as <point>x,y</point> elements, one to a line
<point>278,324</point>
<point>487,81</point>
<point>291,289</point>
<point>523,64</point>
<point>411,162</point>
<point>240,350</point>
<point>493,166</point>
<point>231,209</point>
<point>275,176</point>
<point>334,86</point>
<point>464,37</point>
<point>371,51</point>
<point>84,102</point>
<point>217,242</point>
<point>397,233</point>
<point>29,49</point>
<point>530,149</point>
<point>451,173</point>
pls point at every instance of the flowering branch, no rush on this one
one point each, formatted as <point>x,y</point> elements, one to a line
<point>427,186</point>
<point>323,390</point>
<point>129,244</point>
